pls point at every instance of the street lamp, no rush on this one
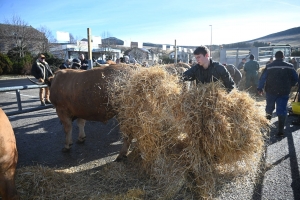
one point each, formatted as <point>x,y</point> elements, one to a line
<point>210,40</point>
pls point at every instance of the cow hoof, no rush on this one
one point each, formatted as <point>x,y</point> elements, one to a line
<point>80,141</point>
<point>65,150</point>
<point>121,158</point>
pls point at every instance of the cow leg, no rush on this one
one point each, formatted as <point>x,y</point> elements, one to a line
<point>124,150</point>
<point>7,185</point>
<point>81,136</point>
<point>67,124</point>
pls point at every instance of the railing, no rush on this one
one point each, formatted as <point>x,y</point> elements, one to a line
<point>20,109</point>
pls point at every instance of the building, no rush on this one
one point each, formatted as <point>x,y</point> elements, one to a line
<point>183,54</point>
<point>22,37</point>
<point>262,54</point>
<point>70,51</point>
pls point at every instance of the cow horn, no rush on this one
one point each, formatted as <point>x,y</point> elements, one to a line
<point>38,83</point>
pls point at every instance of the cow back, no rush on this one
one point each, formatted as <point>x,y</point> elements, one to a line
<point>83,93</point>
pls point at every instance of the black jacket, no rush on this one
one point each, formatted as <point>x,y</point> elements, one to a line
<point>64,66</point>
<point>41,70</point>
<point>213,73</point>
<point>278,77</point>
<point>84,64</point>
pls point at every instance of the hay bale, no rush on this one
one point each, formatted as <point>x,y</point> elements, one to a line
<point>189,136</point>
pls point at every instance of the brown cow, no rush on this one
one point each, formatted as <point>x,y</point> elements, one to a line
<point>82,95</point>
<point>8,159</point>
<point>110,62</point>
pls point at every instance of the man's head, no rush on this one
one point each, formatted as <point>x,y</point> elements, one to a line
<point>69,61</point>
<point>251,57</point>
<point>81,56</point>
<point>202,55</point>
<point>42,57</point>
<point>244,60</point>
<point>279,55</point>
<point>293,60</point>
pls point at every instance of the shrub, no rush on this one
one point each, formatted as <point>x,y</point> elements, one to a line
<point>5,64</point>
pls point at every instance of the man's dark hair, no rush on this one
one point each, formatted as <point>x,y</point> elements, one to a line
<point>279,54</point>
<point>251,57</point>
<point>201,50</point>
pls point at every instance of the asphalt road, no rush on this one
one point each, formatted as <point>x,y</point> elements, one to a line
<point>40,138</point>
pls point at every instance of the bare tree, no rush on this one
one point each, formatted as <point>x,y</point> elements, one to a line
<point>73,40</point>
<point>22,36</point>
<point>47,39</point>
<point>138,54</point>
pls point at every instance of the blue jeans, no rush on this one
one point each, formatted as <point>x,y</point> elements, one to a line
<point>280,101</point>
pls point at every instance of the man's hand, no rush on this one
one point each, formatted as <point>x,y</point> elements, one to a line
<point>41,80</point>
<point>260,91</point>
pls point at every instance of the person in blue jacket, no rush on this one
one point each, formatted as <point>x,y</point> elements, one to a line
<point>277,80</point>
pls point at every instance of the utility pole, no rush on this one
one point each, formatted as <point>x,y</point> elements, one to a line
<point>89,48</point>
<point>210,40</point>
<point>175,61</point>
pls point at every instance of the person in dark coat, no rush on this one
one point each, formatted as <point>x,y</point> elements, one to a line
<point>277,79</point>
<point>207,70</point>
<point>294,63</point>
<point>65,65</point>
<point>41,71</point>
<point>76,64</point>
<point>84,62</point>
<point>241,64</point>
<point>251,69</point>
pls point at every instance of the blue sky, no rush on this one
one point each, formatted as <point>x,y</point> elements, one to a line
<point>159,21</point>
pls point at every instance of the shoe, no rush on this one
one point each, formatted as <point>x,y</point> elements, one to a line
<point>43,103</point>
<point>48,102</point>
<point>269,117</point>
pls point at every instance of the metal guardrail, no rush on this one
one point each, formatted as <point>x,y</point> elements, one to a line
<point>19,101</point>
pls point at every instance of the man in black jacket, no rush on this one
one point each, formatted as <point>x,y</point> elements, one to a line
<point>41,71</point>
<point>277,79</point>
<point>207,70</point>
<point>84,62</point>
<point>65,65</point>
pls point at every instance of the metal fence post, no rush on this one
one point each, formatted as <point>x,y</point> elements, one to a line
<point>19,100</point>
